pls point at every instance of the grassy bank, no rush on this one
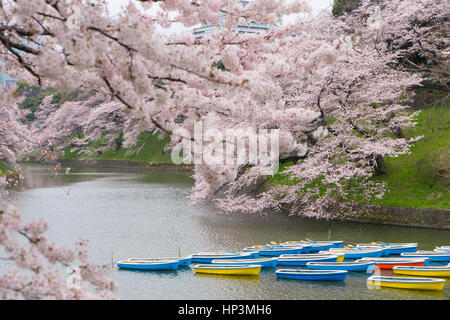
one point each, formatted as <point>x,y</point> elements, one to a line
<point>148,149</point>
<point>422,178</point>
<point>6,170</point>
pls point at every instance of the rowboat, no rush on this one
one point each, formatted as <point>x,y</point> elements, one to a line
<point>233,269</point>
<point>254,252</point>
<point>303,259</point>
<point>431,255</point>
<point>406,282</point>
<point>207,257</point>
<point>336,244</point>
<point>348,266</point>
<point>263,262</point>
<point>278,250</point>
<point>317,246</point>
<point>442,248</point>
<point>389,263</point>
<point>386,250</point>
<point>303,274</point>
<point>181,261</point>
<point>312,246</point>
<point>398,248</point>
<point>395,248</point>
<point>306,248</point>
<point>430,271</point>
<point>149,265</point>
<point>340,255</point>
<point>358,253</point>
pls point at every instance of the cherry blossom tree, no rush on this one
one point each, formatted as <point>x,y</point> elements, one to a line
<point>15,137</point>
<point>336,89</point>
<point>52,270</point>
<point>333,88</point>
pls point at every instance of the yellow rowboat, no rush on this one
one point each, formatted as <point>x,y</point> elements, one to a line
<point>431,271</point>
<point>238,270</point>
<point>406,283</point>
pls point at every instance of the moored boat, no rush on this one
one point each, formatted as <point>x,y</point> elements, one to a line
<point>207,257</point>
<point>386,250</point>
<point>358,253</point>
<point>407,282</point>
<point>232,269</point>
<point>442,248</point>
<point>254,252</point>
<point>278,250</point>
<point>303,259</point>
<point>431,255</point>
<point>430,271</point>
<point>389,263</point>
<point>348,266</point>
<point>304,274</point>
<point>395,248</point>
<point>335,243</point>
<point>340,255</point>
<point>149,265</point>
<point>263,262</point>
<point>181,261</point>
<point>398,248</point>
<point>306,248</point>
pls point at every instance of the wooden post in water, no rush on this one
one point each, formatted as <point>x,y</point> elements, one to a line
<point>179,251</point>
<point>329,234</point>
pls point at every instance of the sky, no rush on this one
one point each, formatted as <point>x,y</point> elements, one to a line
<point>114,7</point>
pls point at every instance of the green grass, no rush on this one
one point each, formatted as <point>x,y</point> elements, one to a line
<point>421,178</point>
<point>148,149</point>
<point>6,170</point>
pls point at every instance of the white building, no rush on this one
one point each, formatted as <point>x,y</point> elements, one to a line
<point>252,27</point>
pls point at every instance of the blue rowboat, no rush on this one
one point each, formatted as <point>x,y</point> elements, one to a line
<point>306,248</point>
<point>314,246</point>
<point>398,248</point>
<point>181,261</point>
<point>302,274</point>
<point>303,259</point>
<point>348,266</point>
<point>278,250</point>
<point>431,255</point>
<point>386,249</point>
<point>319,246</point>
<point>149,265</point>
<point>263,262</point>
<point>442,248</point>
<point>254,252</point>
<point>207,257</point>
<point>357,253</point>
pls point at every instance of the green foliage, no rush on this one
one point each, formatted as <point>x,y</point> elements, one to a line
<point>219,65</point>
<point>148,149</point>
<point>6,170</point>
<point>343,6</point>
<point>35,95</point>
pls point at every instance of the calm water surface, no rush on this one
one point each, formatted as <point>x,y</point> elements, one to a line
<point>131,214</point>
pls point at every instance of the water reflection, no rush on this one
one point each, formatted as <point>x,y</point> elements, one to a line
<point>149,215</point>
